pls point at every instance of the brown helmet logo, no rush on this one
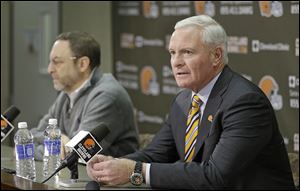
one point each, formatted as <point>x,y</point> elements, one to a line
<point>269,8</point>
<point>149,85</point>
<point>265,8</point>
<point>89,143</point>
<point>147,76</point>
<point>270,87</point>
<point>150,9</point>
<point>3,124</point>
<point>267,84</point>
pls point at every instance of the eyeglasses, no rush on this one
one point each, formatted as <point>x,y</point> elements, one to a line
<point>59,60</point>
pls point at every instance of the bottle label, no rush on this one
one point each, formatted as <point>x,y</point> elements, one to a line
<point>52,147</point>
<point>25,151</point>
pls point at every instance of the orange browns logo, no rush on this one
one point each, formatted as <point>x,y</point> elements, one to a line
<point>265,8</point>
<point>204,8</point>
<point>89,143</point>
<point>147,8</point>
<point>147,76</point>
<point>269,8</point>
<point>199,7</point>
<point>3,124</point>
<point>150,9</point>
<point>268,85</point>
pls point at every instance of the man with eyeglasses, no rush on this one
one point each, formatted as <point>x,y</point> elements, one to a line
<point>87,97</point>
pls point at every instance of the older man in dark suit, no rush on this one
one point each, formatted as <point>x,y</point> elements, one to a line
<point>221,132</point>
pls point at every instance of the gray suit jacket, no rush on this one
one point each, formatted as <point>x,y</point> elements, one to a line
<point>102,99</point>
<point>239,145</point>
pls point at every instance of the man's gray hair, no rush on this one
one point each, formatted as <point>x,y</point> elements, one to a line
<point>213,34</point>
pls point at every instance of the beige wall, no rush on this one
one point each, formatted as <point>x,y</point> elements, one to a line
<point>5,47</point>
<point>21,82</point>
<point>94,18</point>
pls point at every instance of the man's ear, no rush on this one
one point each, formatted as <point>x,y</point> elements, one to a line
<point>217,56</point>
<point>84,63</point>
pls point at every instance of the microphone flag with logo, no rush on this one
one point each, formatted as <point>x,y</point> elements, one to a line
<point>8,116</point>
<point>85,143</point>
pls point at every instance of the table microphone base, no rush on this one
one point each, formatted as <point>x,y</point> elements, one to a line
<point>73,183</point>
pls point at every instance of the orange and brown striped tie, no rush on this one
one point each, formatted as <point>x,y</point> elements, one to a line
<point>192,129</point>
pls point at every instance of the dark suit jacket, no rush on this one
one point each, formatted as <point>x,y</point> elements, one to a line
<point>240,148</point>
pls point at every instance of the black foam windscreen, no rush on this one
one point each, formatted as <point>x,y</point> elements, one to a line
<point>100,132</point>
<point>11,113</point>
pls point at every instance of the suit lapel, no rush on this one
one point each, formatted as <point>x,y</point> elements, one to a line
<point>205,125</point>
<point>186,104</point>
<point>212,106</point>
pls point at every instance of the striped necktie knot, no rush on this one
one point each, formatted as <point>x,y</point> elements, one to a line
<point>196,101</point>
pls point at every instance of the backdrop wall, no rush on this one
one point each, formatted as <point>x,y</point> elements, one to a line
<point>263,45</point>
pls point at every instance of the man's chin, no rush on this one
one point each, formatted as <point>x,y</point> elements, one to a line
<point>58,87</point>
<point>181,84</point>
<point>184,85</point>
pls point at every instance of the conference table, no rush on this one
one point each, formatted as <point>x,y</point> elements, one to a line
<point>11,181</point>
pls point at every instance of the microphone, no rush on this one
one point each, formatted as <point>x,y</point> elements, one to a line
<point>11,113</point>
<point>92,185</point>
<point>85,144</point>
<point>8,116</point>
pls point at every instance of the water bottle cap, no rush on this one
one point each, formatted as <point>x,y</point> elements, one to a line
<point>53,121</point>
<point>22,125</point>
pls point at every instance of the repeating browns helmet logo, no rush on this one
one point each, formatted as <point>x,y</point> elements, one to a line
<point>148,81</point>
<point>150,9</point>
<point>205,8</point>
<point>270,87</point>
<point>269,8</point>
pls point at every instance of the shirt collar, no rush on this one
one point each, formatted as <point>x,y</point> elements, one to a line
<point>76,92</point>
<point>204,93</point>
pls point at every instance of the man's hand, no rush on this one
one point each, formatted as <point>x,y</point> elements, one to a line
<point>110,171</point>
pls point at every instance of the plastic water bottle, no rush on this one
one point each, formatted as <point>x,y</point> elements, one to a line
<point>24,147</point>
<point>52,143</point>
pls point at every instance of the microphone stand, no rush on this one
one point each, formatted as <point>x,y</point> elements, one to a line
<point>73,182</point>
<point>74,170</point>
<point>63,165</point>
<point>72,163</point>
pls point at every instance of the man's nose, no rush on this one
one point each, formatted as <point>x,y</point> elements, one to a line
<point>50,68</point>
<point>177,61</point>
